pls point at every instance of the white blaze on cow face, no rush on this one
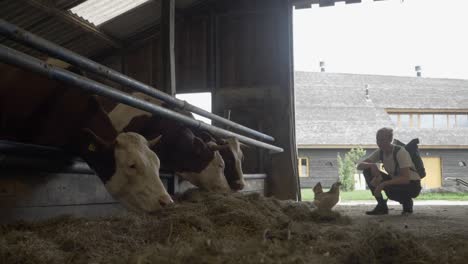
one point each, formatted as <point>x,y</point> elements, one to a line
<point>136,183</point>
<point>211,178</point>
<point>122,114</point>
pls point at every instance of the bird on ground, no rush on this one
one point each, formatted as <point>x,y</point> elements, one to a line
<point>325,201</point>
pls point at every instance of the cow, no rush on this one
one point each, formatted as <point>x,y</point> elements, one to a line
<point>37,110</point>
<point>205,163</point>
<point>230,150</point>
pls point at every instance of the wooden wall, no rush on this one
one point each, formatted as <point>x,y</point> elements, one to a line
<point>323,164</point>
<point>253,80</point>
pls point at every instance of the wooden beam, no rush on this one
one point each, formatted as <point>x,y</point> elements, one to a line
<point>68,18</point>
<point>168,75</point>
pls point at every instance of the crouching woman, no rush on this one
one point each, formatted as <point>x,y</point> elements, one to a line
<point>401,184</point>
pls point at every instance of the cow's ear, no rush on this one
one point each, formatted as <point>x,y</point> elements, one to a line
<point>215,147</point>
<point>243,145</point>
<point>90,142</point>
<point>152,143</point>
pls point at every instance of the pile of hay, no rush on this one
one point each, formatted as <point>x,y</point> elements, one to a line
<point>213,228</point>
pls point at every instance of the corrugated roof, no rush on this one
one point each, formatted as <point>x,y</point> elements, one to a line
<point>52,21</point>
<point>67,4</point>
<point>133,21</point>
<point>43,21</point>
<point>99,11</point>
<point>331,108</point>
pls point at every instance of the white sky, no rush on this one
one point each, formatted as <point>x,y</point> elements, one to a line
<point>387,37</point>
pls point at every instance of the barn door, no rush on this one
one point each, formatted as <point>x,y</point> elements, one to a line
<point>433,177</point>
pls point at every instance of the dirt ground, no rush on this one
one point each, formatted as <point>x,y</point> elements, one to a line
<point>243,228</point>
<point>426,220</point>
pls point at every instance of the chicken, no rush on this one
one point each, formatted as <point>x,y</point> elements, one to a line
<point>324,201</point>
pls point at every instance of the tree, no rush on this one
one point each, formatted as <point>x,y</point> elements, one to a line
<point>347,167</point>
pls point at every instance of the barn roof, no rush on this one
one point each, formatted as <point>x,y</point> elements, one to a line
<point>52,20</point>
<point>334,109</point>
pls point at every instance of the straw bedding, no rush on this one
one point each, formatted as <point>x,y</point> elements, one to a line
<point>213,228</point>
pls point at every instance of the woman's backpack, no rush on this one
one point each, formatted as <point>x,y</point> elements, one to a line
<point>413,150</point>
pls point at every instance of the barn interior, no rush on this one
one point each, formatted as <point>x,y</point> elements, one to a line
<point>239,51</point>
<point>211,52</point>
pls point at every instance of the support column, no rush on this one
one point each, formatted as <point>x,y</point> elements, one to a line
<point>168,75</point>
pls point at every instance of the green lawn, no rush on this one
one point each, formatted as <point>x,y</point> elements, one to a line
<point>308,195</point>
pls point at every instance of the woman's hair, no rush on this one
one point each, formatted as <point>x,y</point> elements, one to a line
<point>386,132</point>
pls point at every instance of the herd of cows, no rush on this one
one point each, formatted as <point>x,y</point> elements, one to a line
<point>126,147</point>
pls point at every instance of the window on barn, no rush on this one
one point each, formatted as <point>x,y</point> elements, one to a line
<point>429,120</point>
<point>394,118</point>
<point>462,120</point>
<point>200,100</point>
<point>440,121</point>
<point>303,165</point>
<point>405,120</point>
<point>426,121</point>
<point>452,121</point>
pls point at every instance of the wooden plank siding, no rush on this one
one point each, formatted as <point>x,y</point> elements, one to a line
<point>323,165</point>
<point>193,55</point>
<point>142,60</point>
<point>254,56</point>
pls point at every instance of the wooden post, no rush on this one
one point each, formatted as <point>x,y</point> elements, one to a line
<point>168,75</point>
<point>283,174</point>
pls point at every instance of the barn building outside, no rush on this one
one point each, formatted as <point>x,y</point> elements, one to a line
<point>336,112</point>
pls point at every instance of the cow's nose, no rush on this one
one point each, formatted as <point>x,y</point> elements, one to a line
<point>165,200</point>
<point>239,185</point>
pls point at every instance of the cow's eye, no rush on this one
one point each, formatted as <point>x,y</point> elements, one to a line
<point>133,166</point>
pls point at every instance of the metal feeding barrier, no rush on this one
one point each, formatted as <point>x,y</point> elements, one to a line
<point>13,32</point>
<point>22,60</point>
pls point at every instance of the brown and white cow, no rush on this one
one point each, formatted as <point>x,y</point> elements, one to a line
<point>230,150</point>
<point>204,163</point>
<point>34,109</point>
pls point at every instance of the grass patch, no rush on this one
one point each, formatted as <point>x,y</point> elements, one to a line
<point>308,195</point>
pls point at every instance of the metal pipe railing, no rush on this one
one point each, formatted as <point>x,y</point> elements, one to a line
<point>19,59</point>
<point>13,32</point>
<point>458,181</point>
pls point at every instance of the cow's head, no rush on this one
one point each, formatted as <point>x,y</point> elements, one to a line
<point>202,164</point>
<point>231,152</point>
<point>129,169</point>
